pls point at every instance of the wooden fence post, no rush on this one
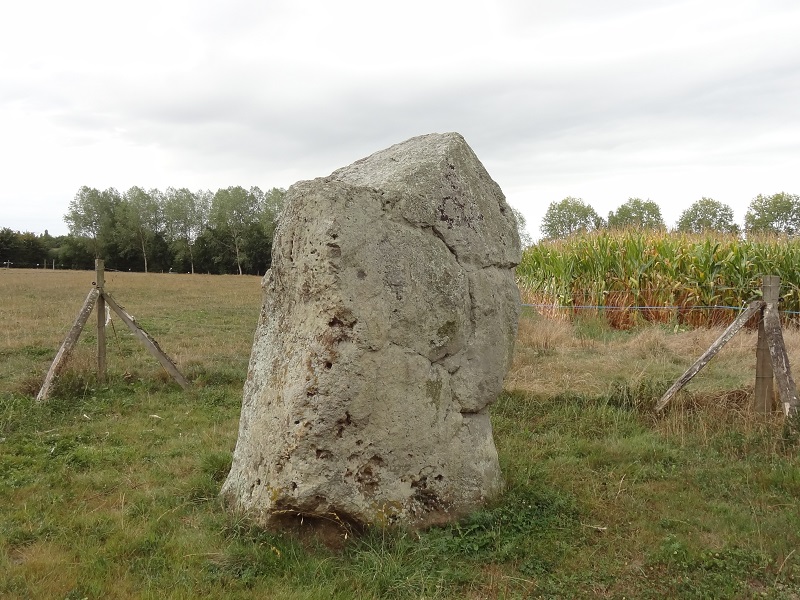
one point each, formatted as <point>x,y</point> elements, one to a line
<point>67,345</point>
<point>98,296</point>
<point>100,281</point>
<point>787,391</point>
<point>764,393</point>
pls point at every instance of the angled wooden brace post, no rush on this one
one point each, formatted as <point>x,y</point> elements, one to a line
<point>68,344</point>
<point>149,343</point>
<point>701,362</point>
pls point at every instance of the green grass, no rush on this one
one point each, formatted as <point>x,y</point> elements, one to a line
<point>116,493</point>
<point>705,512</point>
<point>110,491</point>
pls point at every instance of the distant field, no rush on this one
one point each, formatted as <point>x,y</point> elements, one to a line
<point>110,491</point>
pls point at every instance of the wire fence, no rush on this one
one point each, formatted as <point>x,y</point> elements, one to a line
<point>660,307</point>
<point>626,304</point>
<point>625,317</point>
<point>647,308</point>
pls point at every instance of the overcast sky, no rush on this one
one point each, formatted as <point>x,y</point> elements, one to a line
<point>657,99</point>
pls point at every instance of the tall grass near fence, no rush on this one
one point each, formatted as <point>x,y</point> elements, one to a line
<point>634,276</point>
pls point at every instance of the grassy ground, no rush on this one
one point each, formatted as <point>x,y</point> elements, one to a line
<point>109,491</point>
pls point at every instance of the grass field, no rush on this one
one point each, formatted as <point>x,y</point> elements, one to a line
<point>110,491</point>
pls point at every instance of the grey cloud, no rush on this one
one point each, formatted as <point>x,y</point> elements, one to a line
<point>553,115</point>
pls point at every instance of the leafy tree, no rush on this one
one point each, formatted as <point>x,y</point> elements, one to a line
<point>212,252</point>
<point>50,245</point>
<point>76,252</point>
<point>85,214</point>
<point>271,211</point>
<point>779,213</point>
<point>139,221</point>
<point>571,215</point>
<point>524,237</point>
<point>233,211</point>
<point>707,214</point>
<point>24,249</point>
<point>259,246</point>
<point>32,251</point>
<point>637,214</point>
<point>185,216</point>
<point>257,249</point>
<point>9,246</point>
<point>92,214</point>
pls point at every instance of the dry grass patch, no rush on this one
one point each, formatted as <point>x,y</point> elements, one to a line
<point>554,356</point>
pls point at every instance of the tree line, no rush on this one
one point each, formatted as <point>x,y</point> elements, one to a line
<point>778,213</point>
<point>179,230</point>
<point>231,231</point>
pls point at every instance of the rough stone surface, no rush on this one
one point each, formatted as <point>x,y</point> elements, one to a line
<point>387,327</point>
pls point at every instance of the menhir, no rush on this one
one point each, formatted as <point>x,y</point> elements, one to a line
<point>387,327</point>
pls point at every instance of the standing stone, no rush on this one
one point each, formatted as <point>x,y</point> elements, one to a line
<point>387,327</point>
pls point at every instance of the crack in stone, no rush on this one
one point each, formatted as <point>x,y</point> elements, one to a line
<point>440,235</point>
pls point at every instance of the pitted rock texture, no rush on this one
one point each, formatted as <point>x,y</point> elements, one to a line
<point>387,327</point>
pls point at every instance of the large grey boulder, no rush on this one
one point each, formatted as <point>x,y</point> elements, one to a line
<point>387,327</point>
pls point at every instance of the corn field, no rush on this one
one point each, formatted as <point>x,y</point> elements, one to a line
<point>634,276</point>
